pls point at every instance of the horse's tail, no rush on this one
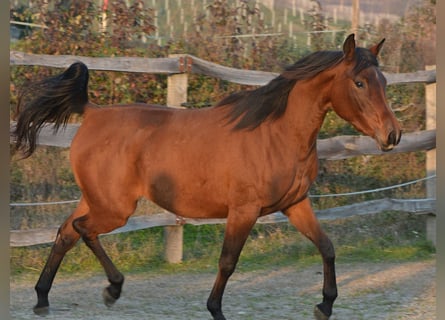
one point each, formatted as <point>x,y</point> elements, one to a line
<point>50,100</point>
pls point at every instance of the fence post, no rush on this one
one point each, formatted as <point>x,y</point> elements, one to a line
<point>176,95</point>
<point>430,97</point>
<point>355,19</point>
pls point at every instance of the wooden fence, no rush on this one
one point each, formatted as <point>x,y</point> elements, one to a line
<point>184,63</point>
<point>178,67</point>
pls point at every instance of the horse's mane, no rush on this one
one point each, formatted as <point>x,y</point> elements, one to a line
<point>252,107</point>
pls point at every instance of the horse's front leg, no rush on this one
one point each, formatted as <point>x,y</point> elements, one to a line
<point>303,218</point>
<point>237,230</point>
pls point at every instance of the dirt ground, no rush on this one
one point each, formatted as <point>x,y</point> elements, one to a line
<point>366,291</point>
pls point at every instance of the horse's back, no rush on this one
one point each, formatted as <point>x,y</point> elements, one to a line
<point>112,131</point>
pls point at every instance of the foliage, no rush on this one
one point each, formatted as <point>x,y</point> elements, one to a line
<point>88,37</point>
<point>81,23</point>
<point>233,28</point>
<point>316,22</point>
<point>225,34</point>
<point>419,36</point>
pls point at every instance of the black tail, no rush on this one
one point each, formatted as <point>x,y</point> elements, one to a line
<point>50,100</point>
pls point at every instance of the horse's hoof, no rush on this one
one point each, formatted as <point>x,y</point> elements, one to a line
<point>109,300</point>
<point>41,311</point>
<point>319,315</point>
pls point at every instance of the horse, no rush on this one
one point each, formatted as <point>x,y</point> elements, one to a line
<point>249,155</point>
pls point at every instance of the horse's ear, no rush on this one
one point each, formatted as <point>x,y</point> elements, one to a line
<point>349,48</point>
<point>376,48</point>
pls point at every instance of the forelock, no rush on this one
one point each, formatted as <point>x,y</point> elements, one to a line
<point>364,59</point>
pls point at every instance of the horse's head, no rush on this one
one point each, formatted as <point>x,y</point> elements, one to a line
<point>358,95</point>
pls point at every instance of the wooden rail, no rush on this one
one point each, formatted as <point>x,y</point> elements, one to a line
<point>181,64</point>
<point>340,147</point>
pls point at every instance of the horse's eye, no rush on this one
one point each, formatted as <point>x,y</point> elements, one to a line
<point>359,84</point>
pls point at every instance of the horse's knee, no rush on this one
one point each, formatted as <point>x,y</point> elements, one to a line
<point>227,266</point>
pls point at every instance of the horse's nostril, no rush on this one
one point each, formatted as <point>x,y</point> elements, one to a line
<point>393,138</point>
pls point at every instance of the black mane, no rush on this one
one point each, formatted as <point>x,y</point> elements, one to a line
<point>253,107</point>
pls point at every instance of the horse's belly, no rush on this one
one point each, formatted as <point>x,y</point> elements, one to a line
<point>197,209</point>
<point>185,197</point>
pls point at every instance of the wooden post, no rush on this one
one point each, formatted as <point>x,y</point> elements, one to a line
<point>173,243</point>
<point>177,85</point>
<point>430,97</point>
<point>104,25</point>
<point>272,19</point>
<point>301,15</point>
<point>176,95</point>
<point>158,39</point>
<point>355,17</point>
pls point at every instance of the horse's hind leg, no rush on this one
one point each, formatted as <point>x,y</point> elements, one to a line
<point>65,240</point>
<point>116,279</point>
<point>303,218</point>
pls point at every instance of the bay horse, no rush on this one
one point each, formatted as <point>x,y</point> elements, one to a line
<point>251,154</point>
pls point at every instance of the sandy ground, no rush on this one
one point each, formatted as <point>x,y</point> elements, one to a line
<point>366,291</point>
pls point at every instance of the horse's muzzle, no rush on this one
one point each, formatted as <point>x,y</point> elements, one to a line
<point>392,140</point>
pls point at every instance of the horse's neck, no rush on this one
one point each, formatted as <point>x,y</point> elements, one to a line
<point>307,106</point>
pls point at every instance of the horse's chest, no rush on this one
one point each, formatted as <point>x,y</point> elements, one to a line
<point>299,184</point>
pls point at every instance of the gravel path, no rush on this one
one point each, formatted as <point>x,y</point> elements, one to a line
<point>366,291</point>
